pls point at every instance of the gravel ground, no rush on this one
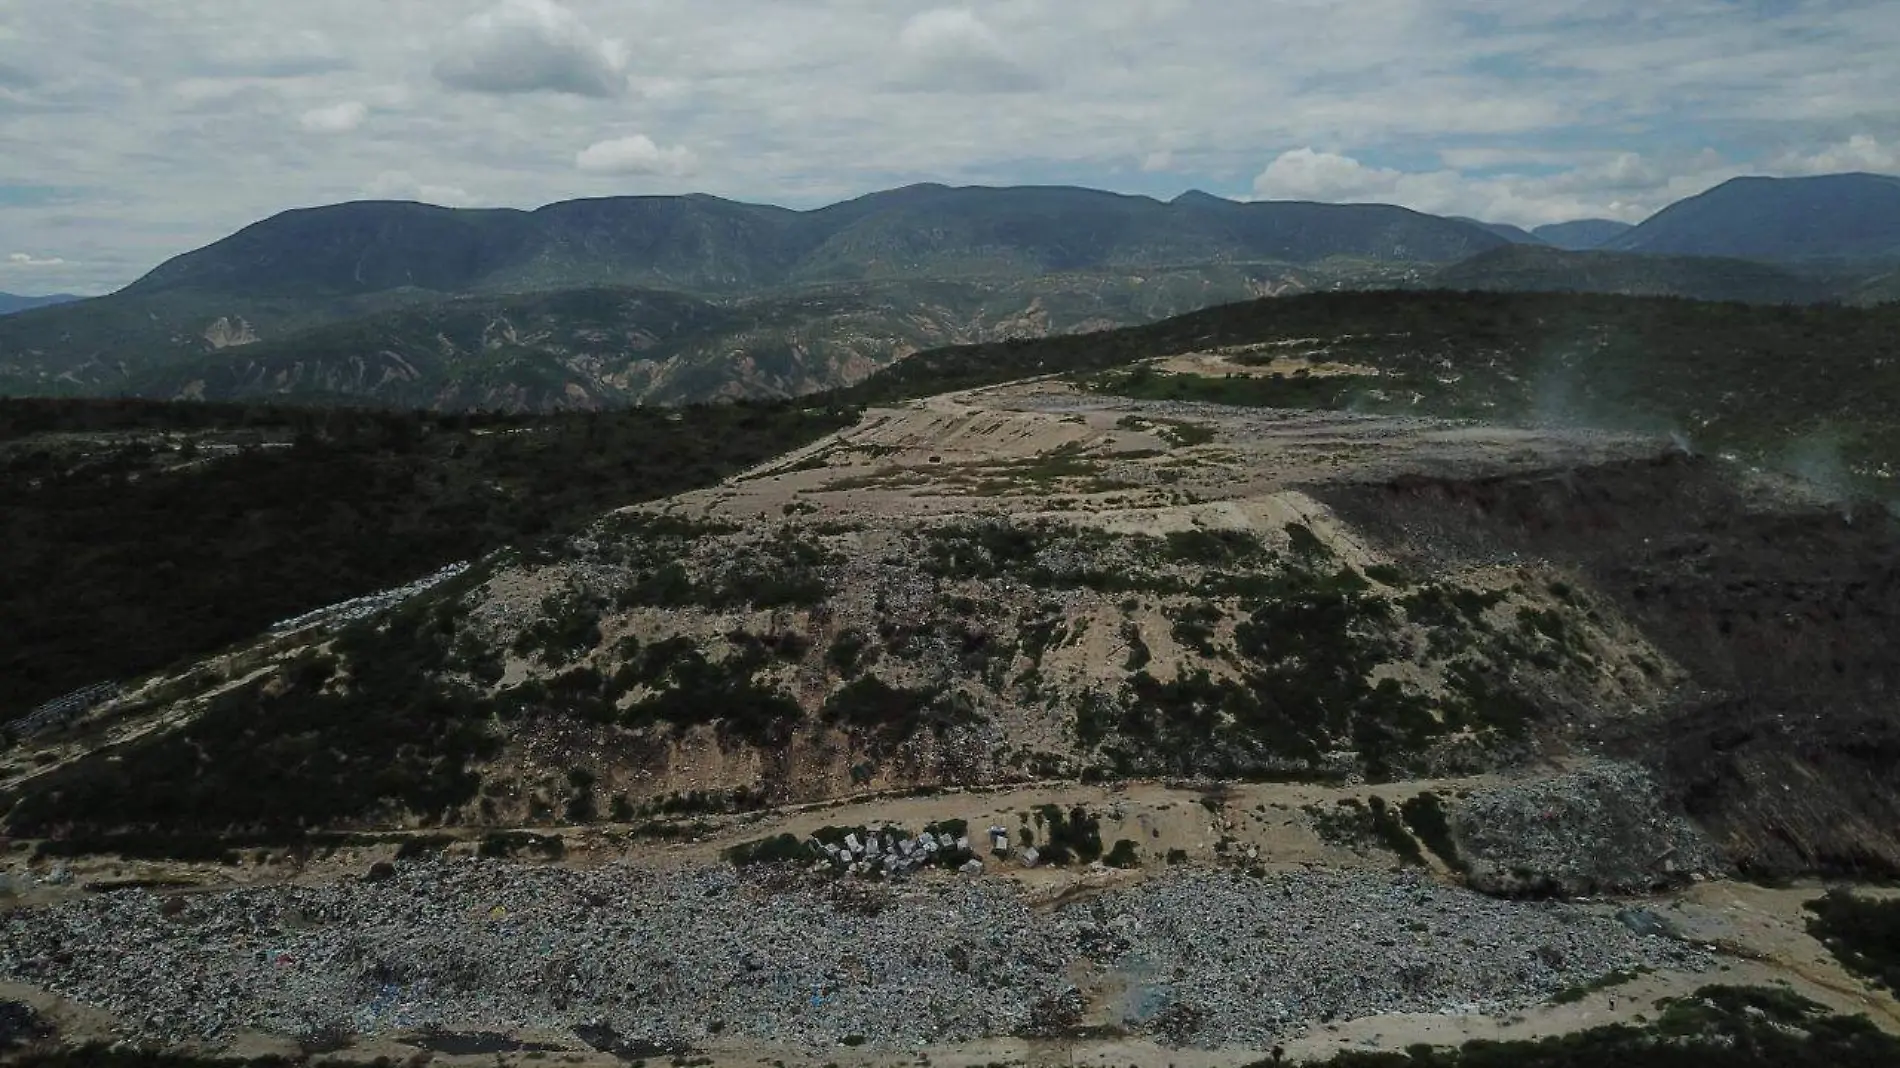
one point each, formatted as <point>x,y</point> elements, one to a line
<point>1205,959</point>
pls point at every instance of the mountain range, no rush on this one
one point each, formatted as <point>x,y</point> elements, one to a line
<point>1828,218</point>
<point>12,302</point>
<point>705,245</point>
<point>594,303</point>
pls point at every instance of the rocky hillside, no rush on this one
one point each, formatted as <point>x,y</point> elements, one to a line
<point>591,349</point>
<point>1035,582</point>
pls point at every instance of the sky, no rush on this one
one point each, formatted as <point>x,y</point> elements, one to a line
<point>134,130</point>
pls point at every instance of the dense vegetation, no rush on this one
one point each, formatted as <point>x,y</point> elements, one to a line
<point>134,535</point>
<point>1535,269</point>
<point>272,759</point>
<point>1862,932</point>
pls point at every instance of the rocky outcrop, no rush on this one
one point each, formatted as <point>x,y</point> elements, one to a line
<point>229,333</point>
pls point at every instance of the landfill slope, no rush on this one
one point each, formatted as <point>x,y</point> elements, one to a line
<point>1018,719</point>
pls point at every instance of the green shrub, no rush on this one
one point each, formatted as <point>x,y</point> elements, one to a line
<point>282,754</point>
<point>1862,933</point>
<point>1392,833</point>
<point>1139,654</point>
<point>1211,548</point>
<point>1075,835</point>
<point>779,849</point>
<point>846,652</point>
<point>890,714</point>
<point>502,844</point>
<point>140,564</point>
<point>1304,542</point>
<point>1425,815</point>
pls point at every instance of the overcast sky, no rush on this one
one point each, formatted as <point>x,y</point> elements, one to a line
<point>132,130</point>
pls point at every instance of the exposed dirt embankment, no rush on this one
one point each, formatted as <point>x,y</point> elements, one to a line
<point>1785,613</point>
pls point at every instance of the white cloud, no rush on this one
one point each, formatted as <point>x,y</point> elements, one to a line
<point>527,46</point>
<point>337,118</point>
<point>1304,174</point>
<point>636,155</point>
<point>1620,185</point>
<point>117,119</point>
<point>401,185</point>
<point>27,260</point>
<point>1857,153</point>
<point>952,50</point>
<point>1157,162</point>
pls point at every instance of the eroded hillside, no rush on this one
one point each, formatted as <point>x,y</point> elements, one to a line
<point>1020,583</point>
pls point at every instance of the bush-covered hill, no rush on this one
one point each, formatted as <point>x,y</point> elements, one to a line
<point>1531,269</point>
<point>135,534</point>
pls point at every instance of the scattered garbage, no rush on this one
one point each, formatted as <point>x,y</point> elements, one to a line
<point>1210,959</point>
<point>358,608</point>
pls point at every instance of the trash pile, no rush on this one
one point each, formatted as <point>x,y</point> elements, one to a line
<point>1601,829</point>
<point>359,608</point>
<point>687,958</point>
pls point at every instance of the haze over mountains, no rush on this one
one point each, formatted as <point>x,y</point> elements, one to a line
<point>1581,234</point>
<point>11,302</point>
<point>668,299</point>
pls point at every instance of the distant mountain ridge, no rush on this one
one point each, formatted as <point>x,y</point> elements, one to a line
<point>1580,235</point>
<point>711,246</point>
<point>11,302</point>
<point>1828,218</point>
<point>694,297</point>
<point>1516,235</point>
<point>1029,260</point>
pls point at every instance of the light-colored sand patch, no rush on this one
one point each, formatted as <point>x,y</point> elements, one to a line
<point>1225,364</point>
